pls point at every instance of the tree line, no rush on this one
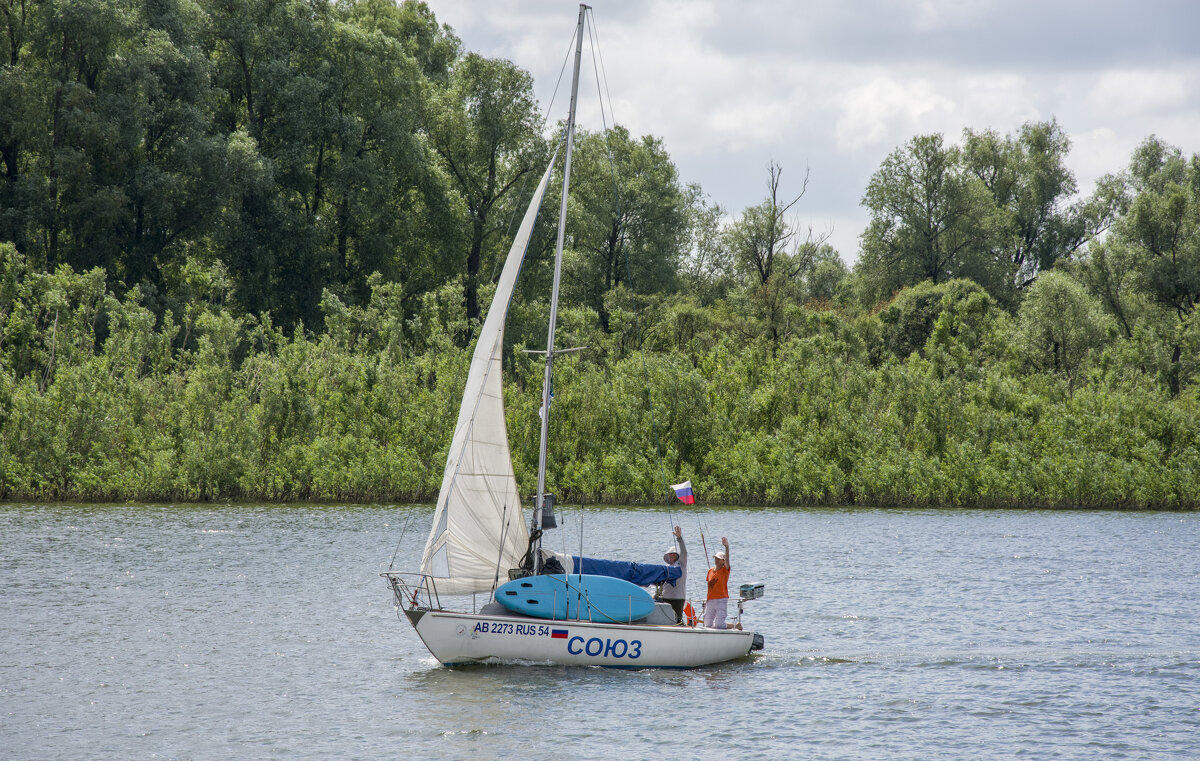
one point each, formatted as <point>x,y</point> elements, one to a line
<point>244,245</point>
<point>292,146</point>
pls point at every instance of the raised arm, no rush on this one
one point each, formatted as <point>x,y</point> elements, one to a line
<point>725,544</point>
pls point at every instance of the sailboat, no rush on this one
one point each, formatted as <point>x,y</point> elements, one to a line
<point>543,607</point>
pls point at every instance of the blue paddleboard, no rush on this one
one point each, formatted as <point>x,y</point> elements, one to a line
<point>601,599</point>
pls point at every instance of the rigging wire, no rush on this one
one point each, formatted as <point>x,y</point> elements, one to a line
<point>403,531</point>
<point>563,534</point>
<point>516,208</point>
<point>541,129</point>
<point>500,554</point>
<point>602,79</point>
<point>580,568</point>
<point>601,91</point>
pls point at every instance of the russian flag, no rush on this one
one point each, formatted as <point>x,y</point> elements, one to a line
<point>558,634</point>
<point>684,492</point>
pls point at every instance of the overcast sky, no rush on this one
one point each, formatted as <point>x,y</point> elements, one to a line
<point>835,87</point>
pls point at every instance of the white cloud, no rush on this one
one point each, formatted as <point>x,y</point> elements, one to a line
<point>1097,152</point>
<point>1003,100</point>
<point>1140,92</point>
<point>939,14</point>
<point>837,87</point>
<point>879,109</point>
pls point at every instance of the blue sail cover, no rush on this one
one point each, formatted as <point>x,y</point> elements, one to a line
<point>642,574</point>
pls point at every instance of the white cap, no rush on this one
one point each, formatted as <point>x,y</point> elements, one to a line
<point>720,555</point>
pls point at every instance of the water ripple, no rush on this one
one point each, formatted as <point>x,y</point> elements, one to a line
<point>253,631</point>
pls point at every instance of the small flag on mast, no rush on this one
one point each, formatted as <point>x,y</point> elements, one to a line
<point>684,492</point>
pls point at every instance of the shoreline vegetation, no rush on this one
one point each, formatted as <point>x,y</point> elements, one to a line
<point>117,404</point>
<point>244,248</point>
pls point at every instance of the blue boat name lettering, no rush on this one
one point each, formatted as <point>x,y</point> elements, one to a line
<point>609,648</point>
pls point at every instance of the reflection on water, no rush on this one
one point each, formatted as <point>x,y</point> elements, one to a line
<point>265,631</point>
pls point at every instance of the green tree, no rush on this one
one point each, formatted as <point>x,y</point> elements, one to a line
<point>760,239</point>
<point>1061,326</point>
<point>1161,233</point>
<point>705,268</point>
<point>1027,177</point>
<point>121,169</point>
<point>434,46</point>
<point>485,129</point>
<point>19,119</point>
<point>930,220</point>
<point>325,109</point>
<point>75,45</point>
<point>908,321</point>
<point>824,281</point>
<point>165,163</point>
<point>1111,272</point>
<point>1164,224</point>
<point>627,217</point>
<point>369,162</point>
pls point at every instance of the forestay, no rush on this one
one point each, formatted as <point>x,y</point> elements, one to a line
<point>478,527</point>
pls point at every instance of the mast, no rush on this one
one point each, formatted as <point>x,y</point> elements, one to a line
<point>558,253</point>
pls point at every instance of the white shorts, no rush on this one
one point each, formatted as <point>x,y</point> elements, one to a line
<point>715,612</point>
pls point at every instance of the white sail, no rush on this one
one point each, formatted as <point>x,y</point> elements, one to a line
<point>479,528</point>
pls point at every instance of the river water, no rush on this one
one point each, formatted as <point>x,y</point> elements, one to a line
<point>240,631</point>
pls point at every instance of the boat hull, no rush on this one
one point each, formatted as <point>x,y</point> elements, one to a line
<point>462,638</point>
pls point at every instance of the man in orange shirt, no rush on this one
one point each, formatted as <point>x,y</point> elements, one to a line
<point>716,607</point>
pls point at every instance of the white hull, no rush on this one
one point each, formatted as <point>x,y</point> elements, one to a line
<point>459,638</point>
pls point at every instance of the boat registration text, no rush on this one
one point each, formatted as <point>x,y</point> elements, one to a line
<point>576,645</point>
<point>500,627</point>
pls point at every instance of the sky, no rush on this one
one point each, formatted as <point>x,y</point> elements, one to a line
<point>831,88</point>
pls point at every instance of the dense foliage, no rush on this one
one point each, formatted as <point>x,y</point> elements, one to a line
<point>244,244</point>
<point>100,402</point>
